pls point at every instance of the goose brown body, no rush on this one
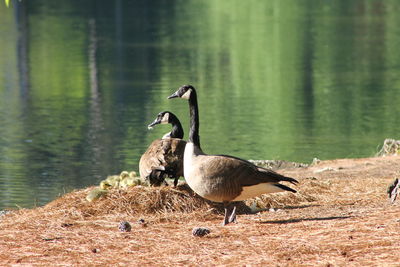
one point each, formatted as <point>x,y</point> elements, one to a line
<point>164,157</point>
<point>223,178</point>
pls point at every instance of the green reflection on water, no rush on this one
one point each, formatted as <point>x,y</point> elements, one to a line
<point>290,80</point>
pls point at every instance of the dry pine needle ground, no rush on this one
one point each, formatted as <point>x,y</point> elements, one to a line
<point>339,217</point>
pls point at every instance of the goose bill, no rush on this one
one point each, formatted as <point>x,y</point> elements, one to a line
<point>155,122</point>
<point>174,95</point>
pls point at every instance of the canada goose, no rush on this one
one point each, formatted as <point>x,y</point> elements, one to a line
<point>164,157</point>
<point>222,178</point>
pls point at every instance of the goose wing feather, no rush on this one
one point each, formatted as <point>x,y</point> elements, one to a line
<point>236,172</point>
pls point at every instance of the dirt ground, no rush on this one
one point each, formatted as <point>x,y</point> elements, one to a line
<point>339,217</point>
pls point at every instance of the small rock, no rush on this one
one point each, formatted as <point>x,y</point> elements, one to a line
<point>95,250</point>
<point>200,231</point>
<point>124,227</point>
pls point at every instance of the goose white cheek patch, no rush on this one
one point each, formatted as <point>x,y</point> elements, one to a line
<point>165,118</point>
<point>187,94</point>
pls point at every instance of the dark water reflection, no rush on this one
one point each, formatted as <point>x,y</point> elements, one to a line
<point>79,82</point>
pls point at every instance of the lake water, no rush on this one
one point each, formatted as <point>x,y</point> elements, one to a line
<point>292,80</point>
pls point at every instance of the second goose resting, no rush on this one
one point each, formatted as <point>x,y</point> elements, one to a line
<point>222,178</point>
<point>164,157</point>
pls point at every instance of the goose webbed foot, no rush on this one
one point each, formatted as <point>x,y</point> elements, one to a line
<point>230,213</point>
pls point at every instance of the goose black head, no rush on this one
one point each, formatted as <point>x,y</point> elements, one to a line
<point>163,117</point>
<point>183,92</point>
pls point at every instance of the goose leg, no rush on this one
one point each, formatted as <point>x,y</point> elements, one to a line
<point>232,218</point>
<point>226,218</point>
<point>230,213</point>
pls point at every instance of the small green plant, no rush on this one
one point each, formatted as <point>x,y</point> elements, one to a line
<point>7,3</point>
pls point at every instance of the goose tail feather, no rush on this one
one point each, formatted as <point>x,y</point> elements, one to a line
<point>286,188</point>
<point>281,178</point>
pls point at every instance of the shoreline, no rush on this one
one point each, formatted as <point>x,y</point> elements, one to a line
<point>340,216</point>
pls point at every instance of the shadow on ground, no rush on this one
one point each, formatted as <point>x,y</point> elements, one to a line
<point>307,219</point>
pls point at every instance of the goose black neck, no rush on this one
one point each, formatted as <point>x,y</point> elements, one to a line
<point>177,130</point>
<point>194,119</point>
